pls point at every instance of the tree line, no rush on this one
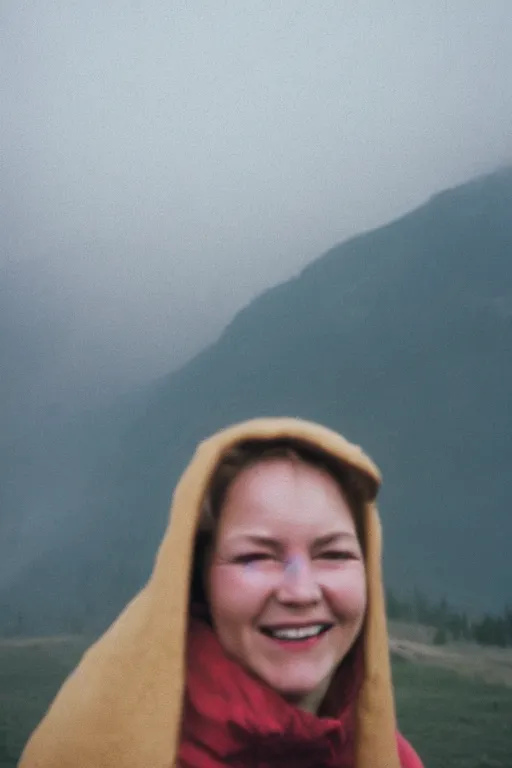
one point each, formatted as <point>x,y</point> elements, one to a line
<point>449,623</point>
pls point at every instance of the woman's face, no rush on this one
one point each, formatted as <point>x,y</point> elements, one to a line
<point>286,581</point>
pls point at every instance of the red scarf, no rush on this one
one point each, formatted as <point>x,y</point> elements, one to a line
<point>232,719</point>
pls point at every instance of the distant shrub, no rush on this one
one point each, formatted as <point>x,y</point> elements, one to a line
<point>441,636</point>
<point>450,624</point>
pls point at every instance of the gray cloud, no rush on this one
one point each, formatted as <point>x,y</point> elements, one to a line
<point>164,162</point>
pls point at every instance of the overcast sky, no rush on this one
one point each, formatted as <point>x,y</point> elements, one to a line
<point>163,162</point>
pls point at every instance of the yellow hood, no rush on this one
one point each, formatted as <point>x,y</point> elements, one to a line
<point>121,707</point>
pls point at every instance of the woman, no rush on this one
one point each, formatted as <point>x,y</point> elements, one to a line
<point>260,639</point>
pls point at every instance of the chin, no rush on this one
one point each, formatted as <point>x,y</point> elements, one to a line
<point>294,688</point>
<point>298,693</point>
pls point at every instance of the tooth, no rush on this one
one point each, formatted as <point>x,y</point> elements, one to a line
<point>298,633</point>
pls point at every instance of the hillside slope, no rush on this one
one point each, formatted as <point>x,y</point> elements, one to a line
<point>401,338</point>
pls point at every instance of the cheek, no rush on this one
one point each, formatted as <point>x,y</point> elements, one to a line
<point>236,595</point>
<point>346,592</point>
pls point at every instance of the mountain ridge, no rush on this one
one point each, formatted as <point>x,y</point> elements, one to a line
<point>400,338</point>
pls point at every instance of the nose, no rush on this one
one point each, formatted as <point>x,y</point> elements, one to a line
<point>299,586</point>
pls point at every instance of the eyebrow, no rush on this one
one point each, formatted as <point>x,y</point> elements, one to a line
<point>331,538</point>
<point>321,541</point>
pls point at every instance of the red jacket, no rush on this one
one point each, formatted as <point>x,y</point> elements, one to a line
<point>232,720</point>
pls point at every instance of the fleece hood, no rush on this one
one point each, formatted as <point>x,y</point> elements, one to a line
<point>122,706</point>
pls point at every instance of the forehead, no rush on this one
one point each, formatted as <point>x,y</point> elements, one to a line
<point>281,495</point>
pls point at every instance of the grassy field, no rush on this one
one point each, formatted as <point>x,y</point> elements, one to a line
<point>30,675</point>
<point>453,720</point>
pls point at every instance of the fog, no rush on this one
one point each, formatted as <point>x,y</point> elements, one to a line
<point>162,163</point>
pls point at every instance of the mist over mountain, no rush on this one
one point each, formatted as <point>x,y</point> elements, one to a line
<point>401,338</point>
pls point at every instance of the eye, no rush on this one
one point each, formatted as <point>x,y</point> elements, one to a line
<point>252,557</point>
<point>338,554</point>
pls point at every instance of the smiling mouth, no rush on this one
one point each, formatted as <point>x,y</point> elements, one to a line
<point>296,633</point>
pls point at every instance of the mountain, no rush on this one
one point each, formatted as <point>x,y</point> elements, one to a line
<point>401,338</point>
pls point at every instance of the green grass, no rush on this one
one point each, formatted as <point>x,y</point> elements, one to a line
<point>29,679</point>
<point>453,722</point>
